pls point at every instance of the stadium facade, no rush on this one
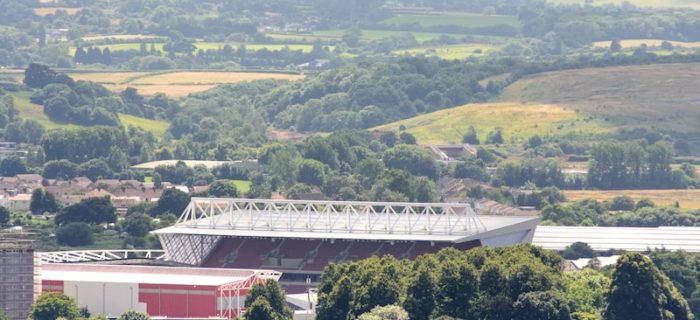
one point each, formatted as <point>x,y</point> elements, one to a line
<point>300,238</point>
<point>170,292</point>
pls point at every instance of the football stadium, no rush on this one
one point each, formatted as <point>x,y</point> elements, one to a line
<point>299,238</point>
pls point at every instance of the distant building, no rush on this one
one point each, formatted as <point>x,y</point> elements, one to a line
<point>17,274</point>
<point>172,292</point>
<point>9,149</point>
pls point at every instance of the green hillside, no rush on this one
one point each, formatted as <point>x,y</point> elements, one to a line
<point>31,111</point>
<point>518,121</point>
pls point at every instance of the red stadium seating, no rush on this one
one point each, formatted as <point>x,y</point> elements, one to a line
<point>325,254</point>
<point>313,255</point>
<point>398,249</point>
<point>294,248</point>
<point>362,249</point>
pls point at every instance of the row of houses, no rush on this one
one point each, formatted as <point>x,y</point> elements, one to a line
<point>16,191</point>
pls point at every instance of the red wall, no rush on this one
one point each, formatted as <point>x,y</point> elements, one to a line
<point>181,301</point>
<point>51,286</point>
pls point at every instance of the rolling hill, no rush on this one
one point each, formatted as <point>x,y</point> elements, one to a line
<point>518,121</point>
<point>583,102</point>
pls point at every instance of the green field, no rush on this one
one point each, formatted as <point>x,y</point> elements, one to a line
<point>461,51</point>
<point>31,111</point>
<point>115,47</point>
<point>157,127</point>
<point>661,96</point>
<point>640,3</point>
<point>243,186</point>
<point>462,20</point>
<point>372,35</point>
<point>518,121</point>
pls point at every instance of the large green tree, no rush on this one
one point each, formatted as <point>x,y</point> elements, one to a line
<point>171,200</point>
<point>420,297</point>
<point>43,201</point>
<point>52,305</point>
<point>640,291</point>
<point>91,210</point>
<point>271,294</point>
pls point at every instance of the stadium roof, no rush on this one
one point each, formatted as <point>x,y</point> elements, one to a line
<point>624,238</point>
<point>190,163</point>
<point>149,274</point>
<point>454,222</point>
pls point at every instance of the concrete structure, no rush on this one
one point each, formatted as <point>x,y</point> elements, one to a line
<point>624,238</point>
<point>301,237</point>
<point>17,274</point>
<point>172,292</point>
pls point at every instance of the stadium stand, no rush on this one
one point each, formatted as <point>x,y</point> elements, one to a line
<point>300,238</point>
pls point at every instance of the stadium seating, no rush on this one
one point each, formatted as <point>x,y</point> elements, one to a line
<point>325,254</point>
<point>224,253</point>
<point>398,249</point>
<point>362,249</point>
<point>252,253</point>
<point>313,255</point>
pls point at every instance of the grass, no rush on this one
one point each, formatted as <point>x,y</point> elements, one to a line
<point>107,77</point>
<point>173,83</point>
<point>115,47</point>
<point>518,121</point>
<point>373,35</point>
<point>193,77</point>
<point>462,20</point>
<point>47,11</point>
<point>120,37</point>
<point>157,127</point>
<point>243,186</point>
<point>687,198</point>
<point>657,97</point>
<point>450,52</point>
<point>31,111</point>
<point>634,43</point>
<point>640,3</point>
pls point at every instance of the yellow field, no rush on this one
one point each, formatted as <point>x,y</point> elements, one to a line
<point>171,90</point>
<point>687,198</point>
<point>47,11</point>
<point>634,43</point>
<point>114,77</point>
<point>518,121</point>
<point>189,77</point>
<point>175,84</point>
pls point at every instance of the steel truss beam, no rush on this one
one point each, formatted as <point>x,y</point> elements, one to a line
<point>332,216</point>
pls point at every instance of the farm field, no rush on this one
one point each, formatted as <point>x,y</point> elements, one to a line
<point>518,121</point>
<point>106,77</point>
<point>120,37</point>
<point>115,47</point>
<point>175,84</point>
<point>452,51</point>
<point>51,10</point>
<point>372,35</point>
<point>687,198</point>
<point>640,3</point>
<point>467,20</point>
<point>634,43</point>
<point>193,77</point>
<point>30,111</point>
<point>157,127</point>
<point>660,96</point>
